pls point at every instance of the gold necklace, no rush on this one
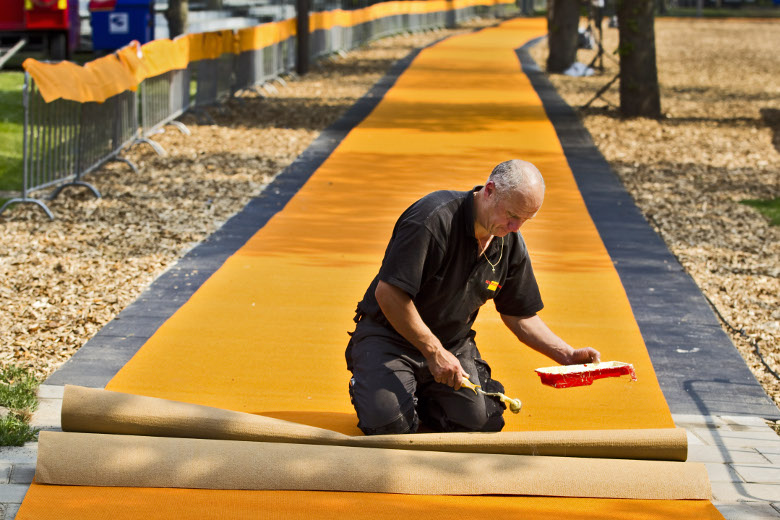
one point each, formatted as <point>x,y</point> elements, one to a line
<point>500,256</point>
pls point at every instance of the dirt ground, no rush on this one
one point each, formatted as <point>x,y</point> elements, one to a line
<point>718,144</point>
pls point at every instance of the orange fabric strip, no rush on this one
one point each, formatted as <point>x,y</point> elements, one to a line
<point>89,503</point>
<point>326,20</point>
<point>131,57</point>
<point>97,81</point>
<point>161,56</point>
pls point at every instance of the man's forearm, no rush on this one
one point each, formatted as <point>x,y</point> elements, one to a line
<point>399,309</point>
<point>535,333</point>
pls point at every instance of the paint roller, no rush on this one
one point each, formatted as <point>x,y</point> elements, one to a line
<point>514,405</point>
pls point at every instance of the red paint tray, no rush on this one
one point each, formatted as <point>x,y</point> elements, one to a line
<point>582,375</point>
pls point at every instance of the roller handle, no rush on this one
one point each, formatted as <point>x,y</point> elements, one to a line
<point>468,384</point>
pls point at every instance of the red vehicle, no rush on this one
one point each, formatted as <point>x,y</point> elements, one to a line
<point>50,25</point>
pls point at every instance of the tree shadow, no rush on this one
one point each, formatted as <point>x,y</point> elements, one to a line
<point>613,112</point>
<point>304,113</point>
<point>771,118</point>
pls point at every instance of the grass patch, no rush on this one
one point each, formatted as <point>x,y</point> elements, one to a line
<point>18,393</point>
<point>769,208</point>
<point>11,126</point>
<point>14,431</point>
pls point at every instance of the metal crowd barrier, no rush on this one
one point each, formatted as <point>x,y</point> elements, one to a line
<point>260,66</point>
<point>66,140</point>
<point>215,79</point>
<point>338,39</point>
<point>249,69</point>
<point>163,98</point>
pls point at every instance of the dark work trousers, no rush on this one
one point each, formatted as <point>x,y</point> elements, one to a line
<point>393,389</point>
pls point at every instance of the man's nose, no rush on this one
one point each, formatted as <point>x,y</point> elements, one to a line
<point>515,224</point>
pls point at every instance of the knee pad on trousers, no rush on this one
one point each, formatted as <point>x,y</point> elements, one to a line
<point>407,423</point>
<point>434,417</point>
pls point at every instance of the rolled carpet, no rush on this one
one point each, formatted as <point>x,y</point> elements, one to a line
<point>165,462</point>
<point>91,410</point>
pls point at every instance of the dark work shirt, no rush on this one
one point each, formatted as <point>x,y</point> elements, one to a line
<point>433,257</point>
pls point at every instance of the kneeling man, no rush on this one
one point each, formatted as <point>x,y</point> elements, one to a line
<point>413,346</point>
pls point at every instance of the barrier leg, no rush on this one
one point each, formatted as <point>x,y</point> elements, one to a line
<point>94,190</point>
<point>155,146</point>
<point>127,162</point>
<point>181,126</point>
<point>37,202</point>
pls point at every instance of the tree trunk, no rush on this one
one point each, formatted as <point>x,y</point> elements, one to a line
<point>176,15</point>
<point>639,94</point>
<point>302,8</point>
<point>563,20</point>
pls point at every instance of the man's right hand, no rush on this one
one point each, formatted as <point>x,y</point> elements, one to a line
<point>446,368</point>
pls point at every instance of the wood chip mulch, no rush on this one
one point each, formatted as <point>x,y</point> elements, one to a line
<point>718,144</point>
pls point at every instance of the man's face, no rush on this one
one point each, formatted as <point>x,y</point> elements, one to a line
<point>507,212</point>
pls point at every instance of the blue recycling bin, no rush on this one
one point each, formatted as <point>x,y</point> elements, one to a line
<point>117,23</point>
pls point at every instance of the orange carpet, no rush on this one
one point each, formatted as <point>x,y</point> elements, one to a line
<point>87,503</point>
<point>266,333</point>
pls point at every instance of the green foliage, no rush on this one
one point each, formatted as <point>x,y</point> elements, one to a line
<point>14,431</point>
<point>11,125</point>
<point>18,389</point>
<point>769,208</point>
<point>18,393</point>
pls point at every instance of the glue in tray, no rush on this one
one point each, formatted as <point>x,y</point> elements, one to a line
<point>582,375</point>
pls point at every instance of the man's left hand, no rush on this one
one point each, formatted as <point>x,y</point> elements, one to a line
<point>584,355</point>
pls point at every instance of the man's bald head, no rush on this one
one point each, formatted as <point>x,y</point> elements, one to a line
<point>516,175</point>
<point>512,195</point>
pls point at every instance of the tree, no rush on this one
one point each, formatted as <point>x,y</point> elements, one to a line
<point>639,92</point>
<point>563,20</point>
<point>176,15</point>
<point>302,8</point>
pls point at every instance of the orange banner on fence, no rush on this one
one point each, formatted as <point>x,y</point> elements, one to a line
<point>97,81</point>
<point>131,57</point>
<point>326,20</point>
<point>104,77</point>
<point>110,75</point>
<point>262,36</point>
<point>161,56</point>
